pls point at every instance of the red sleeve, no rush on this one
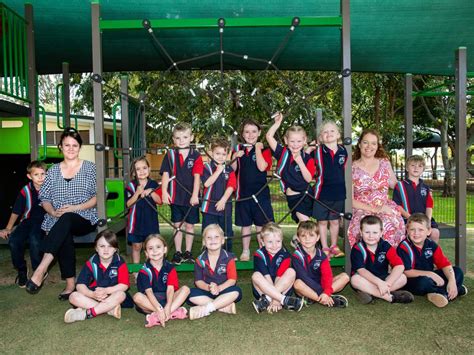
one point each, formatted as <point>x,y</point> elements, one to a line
<point>231,270</point>
<point>393,257</point>
<point>326,277</point>
<point>429,200</point>
<point>285,265</point>
<point>123,275</point>
<point>173,279</point>
<point>311,166</point>
<point>232,182</point>
<point>267,155</point>
<point>439,259</point>
<point>198,167</point>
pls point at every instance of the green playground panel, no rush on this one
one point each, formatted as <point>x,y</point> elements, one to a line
<point>116,205</point>
<point>51,152</point>
<point>14,135</point>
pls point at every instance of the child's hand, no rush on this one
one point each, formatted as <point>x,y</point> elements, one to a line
<point>146,192</point>
<point>194,200</point>
<point>220,168</point>
<point>384,289</point>
<point>297,158</point>
<point>161,316</point>
<point>165,196</point>
<point>4,233</point>
<point>139,190</point>
<point>274,307</point>
<point>214,288</point>
<point>437,279</point>
<point>220,205</point>
<point>238,154</point>
<point>100,294</point>
<point>311,146</point>
<point>167,311</point>
<point>326,300</point>
<point>259,146</point>
<point>278,116</point>
<point>452,290</point>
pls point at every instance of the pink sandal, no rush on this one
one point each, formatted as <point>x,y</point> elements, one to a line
<point>328,252</point>
<point>336,252</point>
<point>180,313</point>
<point>152,320</point>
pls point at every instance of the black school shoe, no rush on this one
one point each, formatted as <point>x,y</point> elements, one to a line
<point>261,304</point>
<point>339,301</point>
<point>291,303</point>
<point>462,291</point>
<point>188,257</point>
<point>177,258</point>
<point>401,296</point>
<point>21,279</point>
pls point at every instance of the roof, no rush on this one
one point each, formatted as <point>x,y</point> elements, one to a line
<point>401,36</point>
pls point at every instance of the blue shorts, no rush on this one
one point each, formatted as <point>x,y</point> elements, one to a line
<point>160,297</point>
<point>225,223</point>
<point>197,292</point>
<point>136,238</point>
<point>321,213</point>
<point>179,212</point>
<point>304,207</point>
<point>248,213</point>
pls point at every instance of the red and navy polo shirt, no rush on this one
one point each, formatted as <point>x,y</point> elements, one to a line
<point>330,166</point>
<point>425,258</point>
<point>94,274</point>
<point>412,197</point>
<point>157,280</point>
<point>310,270</point>
<point>275,265</point>
<point>289,171</point>
<point>225,268</point>
<point>377,263</point>
<point>142,218</point>
<point>184,170</point>
<point>27,204</point>
<point>217,189</point>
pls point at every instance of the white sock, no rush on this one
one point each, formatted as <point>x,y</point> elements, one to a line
<point>282,301</point>
<point>269,299</point>
<point>210,307</point>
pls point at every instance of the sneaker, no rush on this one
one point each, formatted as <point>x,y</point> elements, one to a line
<point>364,297</point>
<point>293,303</point>
<point>21,279</point>
<point>438,299</point>
<point>402,297</point>
<point>463,291</point>
<point>261,304</point>
<point>180,313</point>
<point>230,309</point>
<point>116,312</point>
<point>74,314</point>
<point>188,257</point>
<point>339,301</point>
<point>177,258</point>
<point>245,256</point>
<point>152,320</point>
<point>198,312</point>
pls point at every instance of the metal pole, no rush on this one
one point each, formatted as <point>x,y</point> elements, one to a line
<point>408,115</point>
<point>347,115</point>
<point>66,96</point>
<point>142,124</point>
<point>319,118</point>
<point>460,156</point>
<point>33,84</point>
<point>98,109</point>
<point>125,128</point>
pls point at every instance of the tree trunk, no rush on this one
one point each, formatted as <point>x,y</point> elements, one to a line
<point>377,105</point>
<point>448,189</point>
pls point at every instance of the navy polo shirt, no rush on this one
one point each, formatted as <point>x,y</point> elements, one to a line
<point>142,218</point>
<point>413,198</point>
<point>94,274</point>
<point>275,265</point>
<point>217,189</point>
<point>330,166</point>
<point>27,204</point>
<point>249,178</point>
<point>316,269</point>
<point>225,268</point>
<point>377,263</point>
<point>426,258</point>
<point>289,171</point>
<point>157,280</point>
<point>184,171</point>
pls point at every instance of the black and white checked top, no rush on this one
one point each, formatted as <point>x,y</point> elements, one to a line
<point>59,192</point>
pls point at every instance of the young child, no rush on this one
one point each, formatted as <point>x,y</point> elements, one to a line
<point>330,159</point>
<point>142,217</point>
<point>219,184</point>
<point>413,195</point>
<point>273,278</point>
<point>102,283</point>
<point>215,277</point>
<point>420,255</point>
<point>253,161</point>
<point>159,295</point>
<point>314,279</point>
<point>182,193</point>
<point>371,259</point>
<point>29,230</point>
<point>295,167</point>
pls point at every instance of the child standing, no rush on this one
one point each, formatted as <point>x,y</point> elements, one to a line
<point>295,167</point>
<point>371,259</point>
<point>102,283</point>
<point>182,193</point>
<point>314,279</point>
<point>31,213</point>
<point>420,255</point>
<point>414,196</point>
<point>215,277</point>
<point>142,217</point>
<point>159,295</point>
<point>251,167</point>
<point>273,278</point>
<point>219,183</point>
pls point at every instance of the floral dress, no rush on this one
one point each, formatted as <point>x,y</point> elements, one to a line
<point>373,191</point>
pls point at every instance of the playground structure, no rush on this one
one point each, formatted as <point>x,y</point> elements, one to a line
<point>101,27</point>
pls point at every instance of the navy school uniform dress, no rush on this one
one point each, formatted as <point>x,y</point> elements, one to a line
<point>224,270</point>
<point>414,198</point>
<point>377,263</point>
<point>157,280</point>
<point>275,265</point>
<point>330,187</point>
<point>250,180</point>
<point>426,258</point>
<point>31,216</point>
<point>94,274</point>
<point>142,218</point>
<point>181,188</point>
<point>291,177</point>
<point>315,272</point>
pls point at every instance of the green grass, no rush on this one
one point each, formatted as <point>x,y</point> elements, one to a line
<point>34,324</point>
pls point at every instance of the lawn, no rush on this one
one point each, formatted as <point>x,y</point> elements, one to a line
<point>34,324</point>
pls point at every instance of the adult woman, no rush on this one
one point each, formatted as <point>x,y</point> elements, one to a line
<point>68,195</point>
<point>372,175</point>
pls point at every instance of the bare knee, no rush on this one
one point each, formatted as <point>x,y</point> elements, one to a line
<point>138,297</point>
<point>74,297</point>
<point>185,289</point>
<point>256,276</point>
<point>344,277</point>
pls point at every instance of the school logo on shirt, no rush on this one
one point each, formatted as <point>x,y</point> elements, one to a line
<point>316,264</point>
<point>428,253</point>
<point>165,278</point>
<point>226,176</point>
<point>279,260</point>
<point>341,159</point>
<point>222,269</point>
<point>424,192</point>
<point>254,157</point>
<point>113,273</point>
<point>297,168</point>
<point>190,163</point>
<point>381,258</point>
